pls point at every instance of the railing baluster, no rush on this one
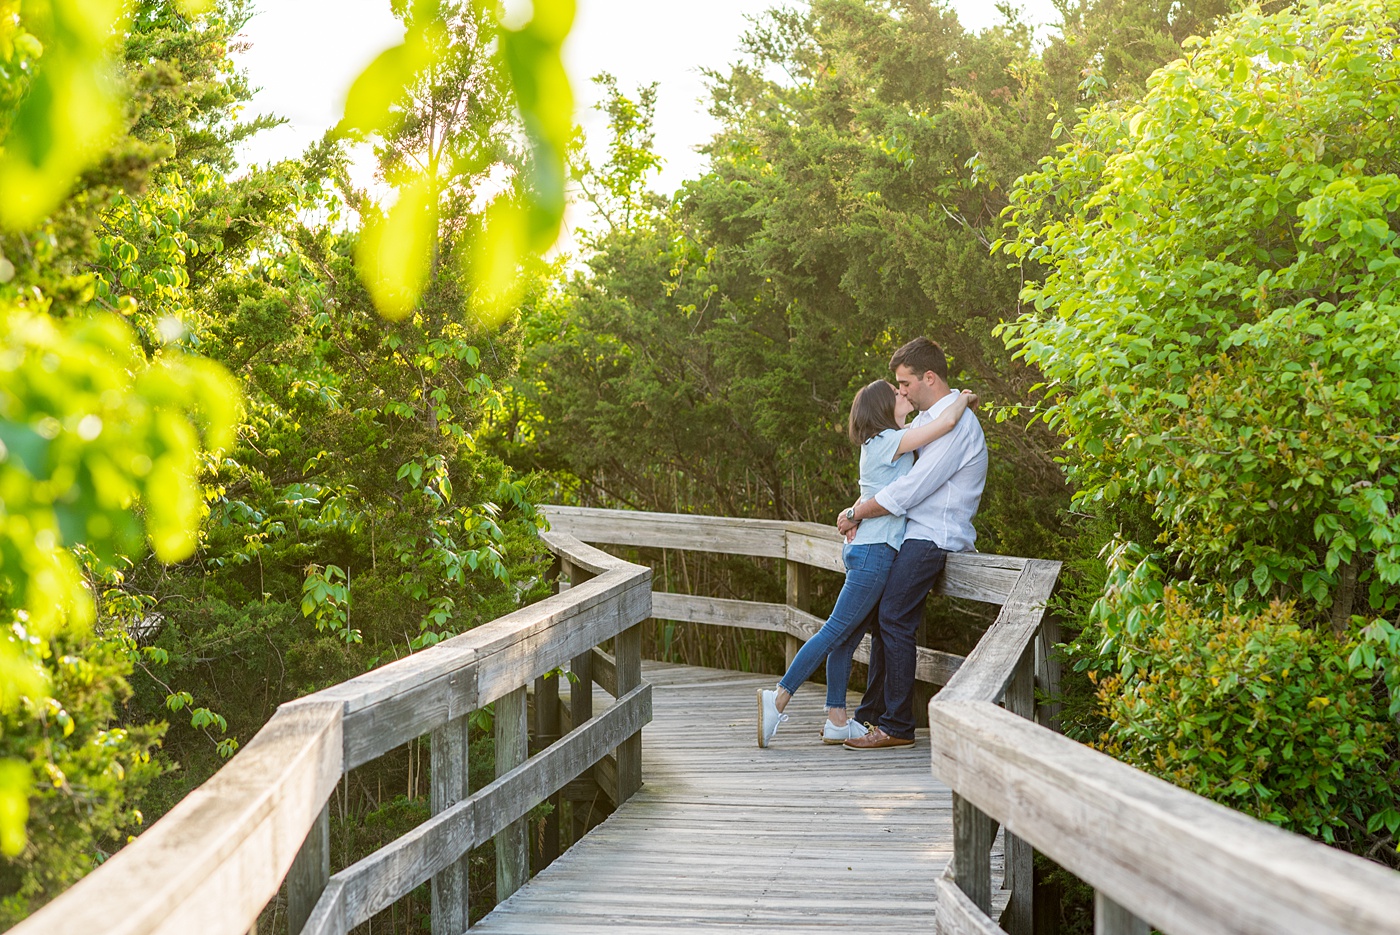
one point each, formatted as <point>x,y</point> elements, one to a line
<point>1112,919</point>
<point>1019,917</point>
<point>972,852</point>
<point>628,659</point>
<point>799,595</point>
<point>310,871</point>
<point>449,786</point>
<point>512,748</point>
<point>546,733</point>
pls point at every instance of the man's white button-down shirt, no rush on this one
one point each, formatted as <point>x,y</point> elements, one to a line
<point>940,495</point>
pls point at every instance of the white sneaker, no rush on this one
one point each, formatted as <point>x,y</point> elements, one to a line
<point>769,717</point>
<point>848,731</point>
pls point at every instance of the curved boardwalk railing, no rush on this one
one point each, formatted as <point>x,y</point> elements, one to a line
<point>1153,852</point>
<point>1157,856</point>
<point>215,860</point>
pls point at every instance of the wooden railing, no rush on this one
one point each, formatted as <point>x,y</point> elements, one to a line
<point>1157,856</point>
<point>215,860</point>
<point>1154,853</point>
<point>1019,585</point>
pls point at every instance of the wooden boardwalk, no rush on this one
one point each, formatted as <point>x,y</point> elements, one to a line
<point>723,836</point>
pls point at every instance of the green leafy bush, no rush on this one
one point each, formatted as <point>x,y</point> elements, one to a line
<point>86,771</point>
<point>1217,323</point>
<point>1251,710</point>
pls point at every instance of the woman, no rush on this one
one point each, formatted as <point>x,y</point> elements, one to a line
<point>886,454</point>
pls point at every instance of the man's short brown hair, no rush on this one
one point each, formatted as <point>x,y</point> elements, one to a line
<point>921,355</point>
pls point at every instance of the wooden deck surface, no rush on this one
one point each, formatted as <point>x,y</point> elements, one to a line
<point>800,837</point>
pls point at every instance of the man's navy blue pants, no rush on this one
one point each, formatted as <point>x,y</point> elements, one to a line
<point>889,695</point>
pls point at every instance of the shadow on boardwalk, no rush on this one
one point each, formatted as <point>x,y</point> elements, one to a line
<point>799,837</point>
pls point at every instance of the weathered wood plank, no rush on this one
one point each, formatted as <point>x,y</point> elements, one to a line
<point>972,852</point>
<point>990,666</point>
<point>968,574</point>
<point>1019,916</point>
<point>358,892</point>
<point>547,724</point>
<point>628,666</point>
<point>958,915</point>
<point>219,856</point>
<point>715,809</point>
<point>980,577</point>
<point>512,747</point>
<point>1112,919</point>
<point>416,694</point>
<point>670,530</point>
<point>310,872</point>
<point>1187,864</point>
<point>541,648</point>
<point>449,786</point>
<point>799,595</point>
<point>604,671</point>
<point>719,611</point>
<point>815,545</point>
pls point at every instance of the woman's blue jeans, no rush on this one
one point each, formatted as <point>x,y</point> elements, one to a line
<point>867,568</point>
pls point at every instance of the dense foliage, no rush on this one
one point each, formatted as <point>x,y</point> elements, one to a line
<point>345,515</point>
<point>228,480</point>
<point>1217,331</point>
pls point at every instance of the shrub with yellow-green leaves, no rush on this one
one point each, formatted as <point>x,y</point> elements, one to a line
<point>1258,713</point>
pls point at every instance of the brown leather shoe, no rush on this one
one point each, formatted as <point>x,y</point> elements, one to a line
<point>877,739</point>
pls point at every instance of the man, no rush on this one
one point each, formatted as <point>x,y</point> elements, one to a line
<point>938,498</point>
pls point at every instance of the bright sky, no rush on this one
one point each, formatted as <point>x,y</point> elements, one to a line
<point>305,53</point>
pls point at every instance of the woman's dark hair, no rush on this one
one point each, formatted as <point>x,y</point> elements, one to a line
<point>872,411</point>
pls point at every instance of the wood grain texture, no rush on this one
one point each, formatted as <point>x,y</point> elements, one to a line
<point>1019,916</point>
<point>604,672</point>
<point>724,837</point>
<point>218,857</point>
<point>972,852</point>
<point>372,884</point>
<point>670,530</point>
<point>310,871</point>
<point>992,663</point>
<point>1112,919</point>
<point>959,915</point>
<point>512,747</point>
<point>1183,863</point>
<point>718,611</point>
<point>970,575</point>
<point>449,786</point>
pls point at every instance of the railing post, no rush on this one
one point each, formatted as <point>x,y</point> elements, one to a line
<point>972,852</point>
<point>581,689</point>
<point>512,747</point>
<point>449,786</point>
<point>1112,919</point>
<point>799,595</point>
<point>1019,917</point>
<point>546,733</point>
<point>627,657</point>
<point>310,871</point>
<point>1047,671</point>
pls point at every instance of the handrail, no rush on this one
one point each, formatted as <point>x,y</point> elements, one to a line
<point>214,861</point>
<point>1154,853</point>
<point>972,575</point>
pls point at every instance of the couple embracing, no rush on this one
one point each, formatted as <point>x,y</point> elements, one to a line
<point>911,513</point>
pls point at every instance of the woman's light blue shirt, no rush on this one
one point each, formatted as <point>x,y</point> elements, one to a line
<point>879,467</point>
